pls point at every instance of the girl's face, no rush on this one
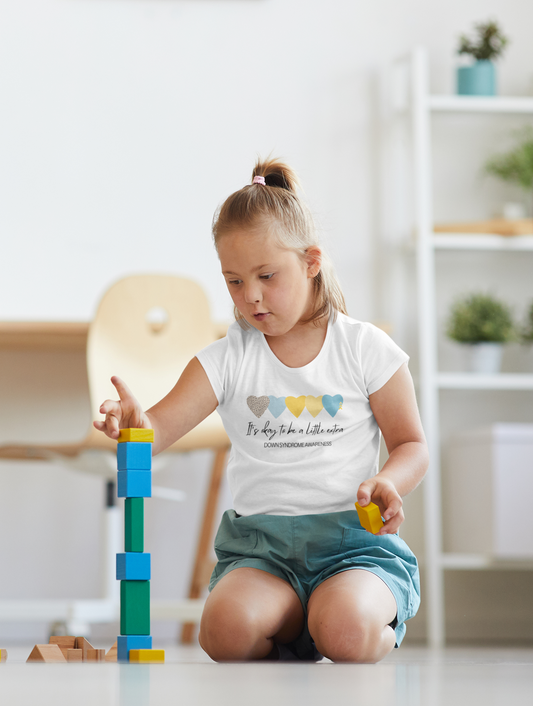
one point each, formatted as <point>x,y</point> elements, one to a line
<point>271,286</point>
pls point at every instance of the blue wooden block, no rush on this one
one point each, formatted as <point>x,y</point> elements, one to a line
<point>133,566</point>
<point>125,643</point>
<point>134,456</point>
<point>134,484</point>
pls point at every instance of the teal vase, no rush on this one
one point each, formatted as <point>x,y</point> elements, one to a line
<point>477,80</point>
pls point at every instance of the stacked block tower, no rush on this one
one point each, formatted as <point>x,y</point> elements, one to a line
<point>134,483</point>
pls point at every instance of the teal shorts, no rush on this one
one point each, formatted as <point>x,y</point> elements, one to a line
<point>305,550</point>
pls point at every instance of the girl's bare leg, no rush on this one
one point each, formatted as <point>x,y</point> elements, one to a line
<point>246,612</point>
<point>349,616</point>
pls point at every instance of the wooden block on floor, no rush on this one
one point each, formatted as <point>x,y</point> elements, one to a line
<point>111,656</point>
<point>135,607</point>
<point>145,656</point>
<point>136,435</point>
<point>126,643</point>
<point>64,642</point>
<point>134,524</point>
<point>95,655</point>
<point>75,655</point>
<point>134,456</point>
<point>3,655</point>
<point>134,484</point>
<point>83,644</point>
<point>133,566</point>
<point>46,653</point>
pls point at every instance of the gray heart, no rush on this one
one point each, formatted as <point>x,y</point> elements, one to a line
<point>258,405</point>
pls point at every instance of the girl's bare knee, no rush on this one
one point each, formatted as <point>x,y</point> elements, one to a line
<point>227,637</point>
<point>360,640</point>
<point>245,612</point>
<point>348,615</point>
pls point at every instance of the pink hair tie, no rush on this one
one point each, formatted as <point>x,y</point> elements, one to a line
<point>259,180</point>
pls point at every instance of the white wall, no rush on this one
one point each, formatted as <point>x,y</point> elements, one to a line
<point>124,123</point>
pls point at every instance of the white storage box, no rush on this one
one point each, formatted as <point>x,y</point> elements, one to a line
<point>488,492</point>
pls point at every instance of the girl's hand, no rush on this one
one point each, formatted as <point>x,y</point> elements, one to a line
<point>383,492</point>
<point>125,413</point>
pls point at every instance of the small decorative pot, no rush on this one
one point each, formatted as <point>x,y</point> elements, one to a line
<point>477,80</point>
<point>485,358</point>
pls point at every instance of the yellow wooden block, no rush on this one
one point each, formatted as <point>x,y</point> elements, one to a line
<point>147,656</point>
<point>370,517</point>
<point>136,435</point>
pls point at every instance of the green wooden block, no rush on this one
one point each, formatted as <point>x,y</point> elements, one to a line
<point>135,607</point>
<point>134,525</point>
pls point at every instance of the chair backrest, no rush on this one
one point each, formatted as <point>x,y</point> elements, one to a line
<point>146,329</point>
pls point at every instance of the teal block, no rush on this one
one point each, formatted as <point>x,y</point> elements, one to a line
<point>135,608</point>
<point>134,525</point>
<point>134,456</point>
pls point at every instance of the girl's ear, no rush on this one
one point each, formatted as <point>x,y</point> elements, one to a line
<point>313,258</point>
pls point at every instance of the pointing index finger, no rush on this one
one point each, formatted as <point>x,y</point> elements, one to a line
<point>123,390</point>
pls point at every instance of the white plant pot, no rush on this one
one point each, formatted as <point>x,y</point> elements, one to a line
<point>485,358</point>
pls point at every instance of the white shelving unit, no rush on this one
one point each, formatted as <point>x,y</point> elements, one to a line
<point>412,98</point>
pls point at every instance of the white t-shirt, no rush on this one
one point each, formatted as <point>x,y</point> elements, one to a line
<point>303,439</point>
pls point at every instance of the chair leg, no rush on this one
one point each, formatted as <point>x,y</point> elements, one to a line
<point>199,580</point>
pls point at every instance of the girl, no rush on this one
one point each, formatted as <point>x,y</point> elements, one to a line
<point>303,391</point>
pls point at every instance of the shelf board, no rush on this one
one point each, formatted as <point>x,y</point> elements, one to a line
<point>481,104</point>
<point>467,241</point>
<point>477,381</point>
<point>465,562</point>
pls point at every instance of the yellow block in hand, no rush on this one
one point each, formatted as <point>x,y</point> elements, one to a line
<point>147,656</point>
<point>136,435</point>
<point>370,517</point>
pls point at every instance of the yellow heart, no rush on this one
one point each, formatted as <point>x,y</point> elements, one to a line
<point>314,404</point>
<point>295,405</point>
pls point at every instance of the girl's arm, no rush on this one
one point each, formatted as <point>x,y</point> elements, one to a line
<point>189,402</point>
<point>396,412</point>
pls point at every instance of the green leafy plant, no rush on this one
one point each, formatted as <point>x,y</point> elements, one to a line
<point>481,318</point>
<point>527,330</point>
<point>487,45</point>
<point>516,166</point>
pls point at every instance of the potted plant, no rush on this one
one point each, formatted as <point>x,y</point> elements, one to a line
<point>479,79</point>
<point>526,334</point>
<point>516,166</point>
<point>484,323</point>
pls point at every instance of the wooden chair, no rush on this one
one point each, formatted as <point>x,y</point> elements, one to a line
<point>146,329</point>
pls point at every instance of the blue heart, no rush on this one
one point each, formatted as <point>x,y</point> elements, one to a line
<point>277,405</point>
<point>332,404</point>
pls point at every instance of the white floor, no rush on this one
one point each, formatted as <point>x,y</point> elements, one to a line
<point>410,677</point>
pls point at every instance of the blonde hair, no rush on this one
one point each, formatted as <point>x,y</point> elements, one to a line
<point>277,206</point>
